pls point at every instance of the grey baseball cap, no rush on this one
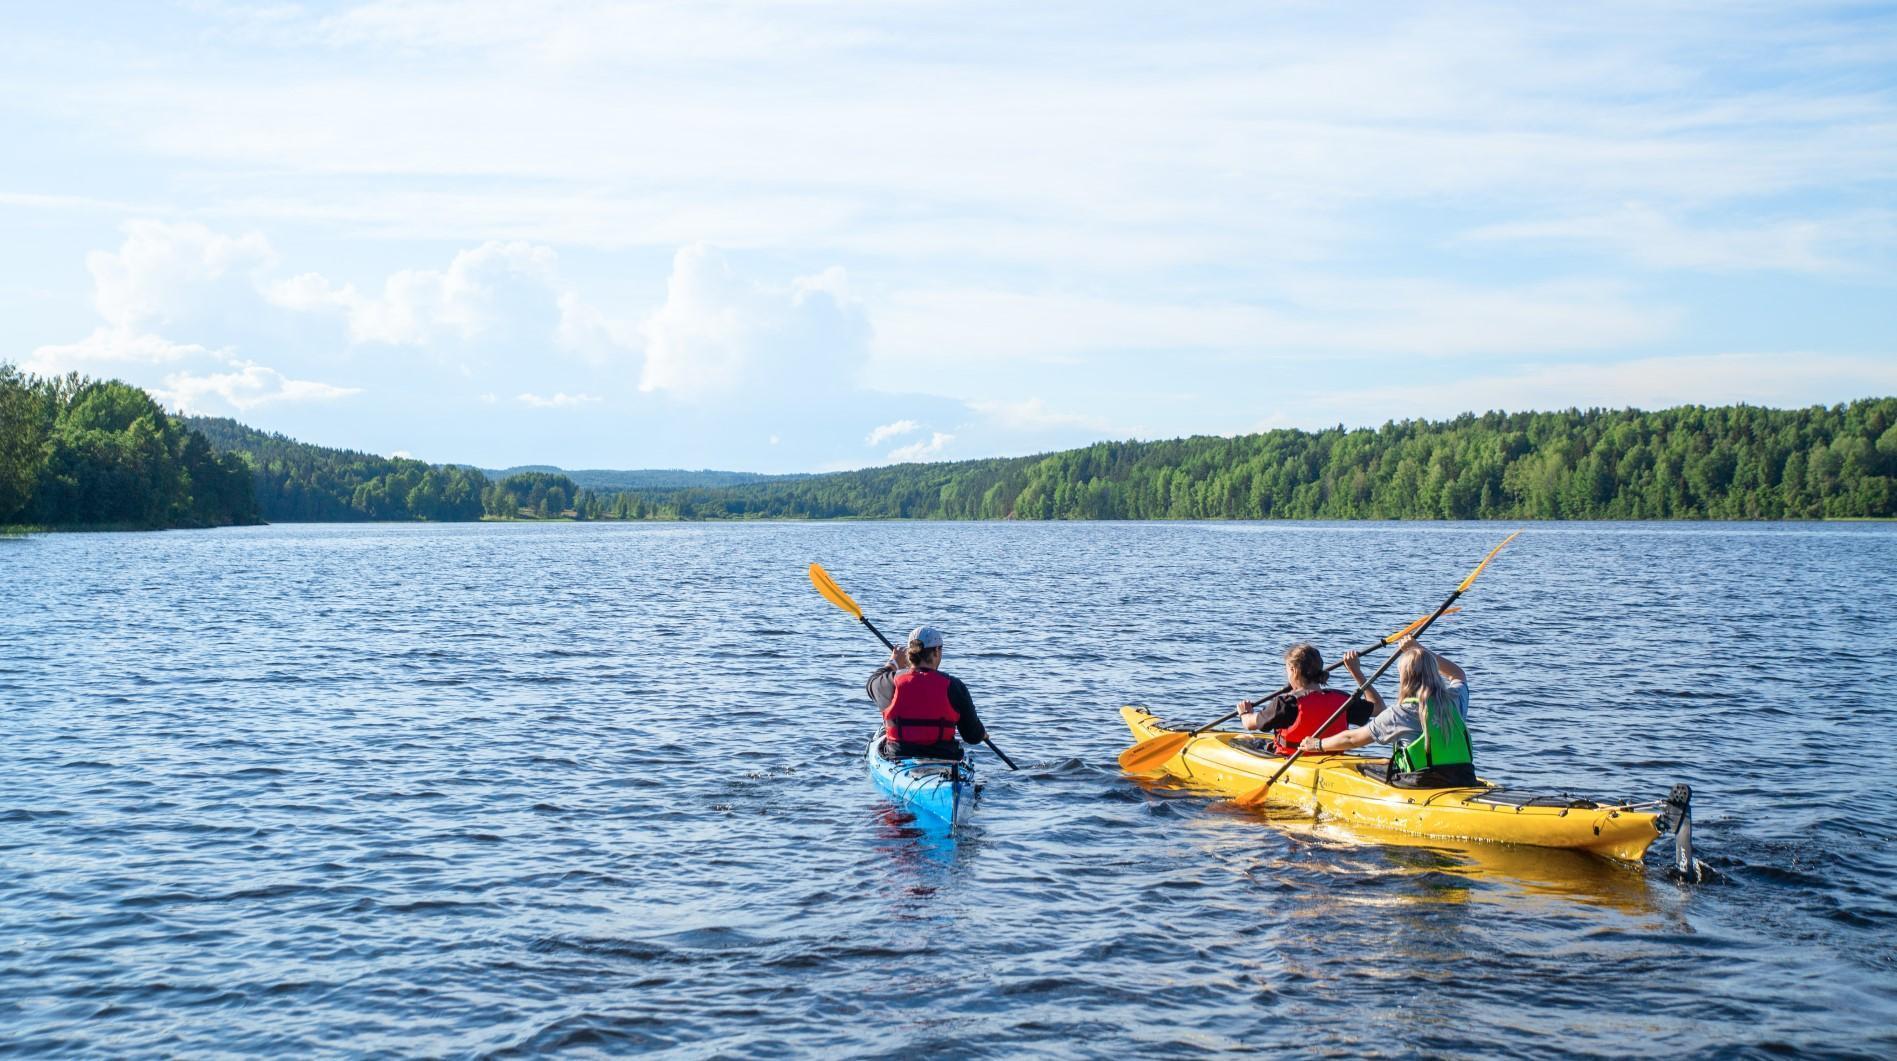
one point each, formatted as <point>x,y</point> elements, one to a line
<point>929,636</point>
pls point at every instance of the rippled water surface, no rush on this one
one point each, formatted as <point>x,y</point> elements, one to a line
<point>517,788</point>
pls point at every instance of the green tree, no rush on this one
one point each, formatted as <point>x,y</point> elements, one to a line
<point>22,443</point>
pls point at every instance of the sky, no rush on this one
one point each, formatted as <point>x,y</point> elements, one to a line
<point>800,235</point>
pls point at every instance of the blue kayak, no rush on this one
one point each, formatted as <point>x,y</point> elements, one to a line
<point>939,792</point>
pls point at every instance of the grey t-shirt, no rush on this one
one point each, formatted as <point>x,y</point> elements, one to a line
<point>1404,722</point>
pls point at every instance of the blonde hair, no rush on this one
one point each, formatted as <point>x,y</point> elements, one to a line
<point>1418,678</point>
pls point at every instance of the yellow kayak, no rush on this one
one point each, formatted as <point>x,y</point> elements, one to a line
<point>1349,787</point>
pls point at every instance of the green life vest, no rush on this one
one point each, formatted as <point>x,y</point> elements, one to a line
<point>1449,748</point>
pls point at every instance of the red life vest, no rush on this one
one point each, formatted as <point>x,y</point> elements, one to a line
<point>1313,709</point>
<point>920,712</point>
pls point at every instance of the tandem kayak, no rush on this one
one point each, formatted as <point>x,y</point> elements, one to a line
<point>1350,788</point>
<point>939,792</point>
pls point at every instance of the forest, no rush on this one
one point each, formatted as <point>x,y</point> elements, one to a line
<point>299,483</point>
<point>604,481</point>
<point>1690,462</point>
<point>76,452</point>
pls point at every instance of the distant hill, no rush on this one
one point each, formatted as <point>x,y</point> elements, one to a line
<point>229,436</point>
<point>608,481</point>
<point>299,483</point>
<point>1689,462</point>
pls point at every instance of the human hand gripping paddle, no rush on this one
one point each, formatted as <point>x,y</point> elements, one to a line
<point>835,595</point>
<point>1258,795</point>
<point>1155,752</point>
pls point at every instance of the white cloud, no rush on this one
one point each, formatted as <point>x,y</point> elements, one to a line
<point>555,401</point>
<point>105,347</point>
<point>402,454</point>
<point>920,451</point>
<point>165,271</point>
<point>884,433</point>
<point>1033,414</point>
<point>180,275</point>
<point>573,36</point>
<point>719,332</point>
<point>1654,238</point>
<point>588,331</point>
<point>1036,134</point>
<point>482,288</point>
<point>246,387</point>
<point>1365,316</point>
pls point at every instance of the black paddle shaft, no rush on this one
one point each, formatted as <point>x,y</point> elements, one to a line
<point>891,647</point>
<point>1368,682</point>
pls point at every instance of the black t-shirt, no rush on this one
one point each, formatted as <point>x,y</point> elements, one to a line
<point>1280,711</point>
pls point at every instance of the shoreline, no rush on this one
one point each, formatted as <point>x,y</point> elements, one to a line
<point>18,531</point>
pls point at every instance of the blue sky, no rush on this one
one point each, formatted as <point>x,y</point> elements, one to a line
<point>803,235</point>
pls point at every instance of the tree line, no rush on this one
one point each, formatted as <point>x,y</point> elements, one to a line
<point>76,452</point>
<point>1691,462</point>
<point>296,482</point>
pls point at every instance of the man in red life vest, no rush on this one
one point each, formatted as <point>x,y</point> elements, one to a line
<point>1303,711</point>
<point>923,708</point>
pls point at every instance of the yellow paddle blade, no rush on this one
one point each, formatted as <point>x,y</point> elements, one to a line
<point>831,591</point>
<point>1257,797</point>
<point>1405,632</point>
<point>1467,582</point>
<point>1154,752</point>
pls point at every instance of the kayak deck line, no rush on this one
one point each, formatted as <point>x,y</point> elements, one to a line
<point>1350,788</point>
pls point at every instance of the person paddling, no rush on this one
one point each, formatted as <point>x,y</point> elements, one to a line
<point>1427,729</point>
<point>1301,712</point>
<point>923,708</point>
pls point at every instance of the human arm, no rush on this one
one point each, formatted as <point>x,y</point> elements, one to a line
<point>881,685</point>
<point>970,726</point>
<point>1448,669</point>
<point>1275,713</point>
<point>1356,673</point>
<point>1338,742</point>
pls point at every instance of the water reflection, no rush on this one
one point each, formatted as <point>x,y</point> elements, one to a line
<point>917,837</point>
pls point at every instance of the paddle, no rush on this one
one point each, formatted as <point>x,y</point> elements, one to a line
<point>1257,796</point>
<point>835,595</point>
<point>1153,752</point>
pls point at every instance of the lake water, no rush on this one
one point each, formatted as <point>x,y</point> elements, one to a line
<point>508,789</point>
